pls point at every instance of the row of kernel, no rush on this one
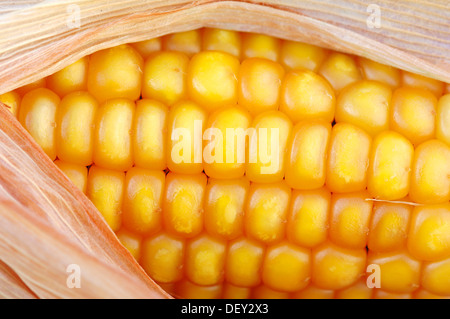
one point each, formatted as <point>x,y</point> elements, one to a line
<point>146,201</point>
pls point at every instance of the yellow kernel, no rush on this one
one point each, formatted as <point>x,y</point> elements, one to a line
<point>205,260</point>
<point>419,81</point>
<point>307,154</point>
<point>297,55</point>
<point>389,226</point>
<point>340,70</point>
<point>11,99</point>
<point>188,42</point>
<point>185,125</point>
<point>149,135</point>
<point>131,242</point>
<point>105,190</point>
<point>413,114</point>
<point>390,166</point>
<point>225,142</point>
<point>37,114</point>
<point>424,294</point>
<point>306,95</point>
<point>359,290</point>
<point>266,159</point>
<point>429,232</point>
<point>224,207</point>
<point>188,290</point>
<point>382,294</point>
<point>264,292</point>
<point>112,138</point>
<point>348,159</point>
<point>335,267</point>
<point>212,79</point>
<point>260,46</point>
<point>442,119</point>
<point>375,71</point>
<point>162,258</point>
<point>266,211</point>
<point>70,79</point>
<point>235,292</point>
<point>349,219</point>
<point>142,202</point>
<point>399,272</point>
<point>307,224</point>
<point>365,104</point>
<point>244,262</point>
<point>183,204</point>
<point>227,41</point>
<point>76,173</point>
<point>165,77</point>
<point>259,85</point>
<point>75,137</point>
<point>430,178</point>
<point>436,277</point>
<point>286,267</point>
<point>312,292</point>
<point>147,47</point>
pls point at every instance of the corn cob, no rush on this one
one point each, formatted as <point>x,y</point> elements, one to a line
<point>358,172</point>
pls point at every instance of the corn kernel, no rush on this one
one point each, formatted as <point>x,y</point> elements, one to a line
<point>227,41</point>
<point>185,125</point>
<point>297,55</point>
<point>224,207</point>
<point>375,71</point>
<point>115,73</point>
<point>266,211</point>
<point>382,294</point>
<point>77,174</point>
<point>429,232</point>
<point>70,79</point>
<point>105,189</point>
<point>212,79</point>
<point>340,70</point>
<point>359,290</point>
<point>267,147</point>
<point>183,204</point>
<point>306,95</point>
<point>165,77</point>
<point>419,81</point>
<point>365,104</point>
<point>37,114</point>
<point>390,165</point>
<point>423,294</point>
<point>312,292</point>
<point>142,200</point>
<point>430,179</point>
<point>188,290</point>
<point>307,153</point>
<point>11,99</point>
<point>260,46</point>
<point>205,260</point>
<point>307,223</point>
<point>286,267</point>
<point>264,292</point>
<point>335,267</point>
<point>413,113</point>
<point>348,159</point>
<point>147,47</point>
<point>112,138</point>
<point>75,137</point>
<point>162,258</point>
<point>389,227</point>
<point>442,119</point>
<point>244,263</point>
<point>436,277</point>
<point>188,42</point>
<point>149,135</point>
<point>259,85</point>
<point>399,272</point>
<point>131,242</point>
<point>225,142</point>
<point>349,220</point>
<point>230,291</point>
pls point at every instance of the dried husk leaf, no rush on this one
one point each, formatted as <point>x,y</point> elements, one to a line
<point>46,223</point>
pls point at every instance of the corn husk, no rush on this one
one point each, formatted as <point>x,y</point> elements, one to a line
<point>46,224</point>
